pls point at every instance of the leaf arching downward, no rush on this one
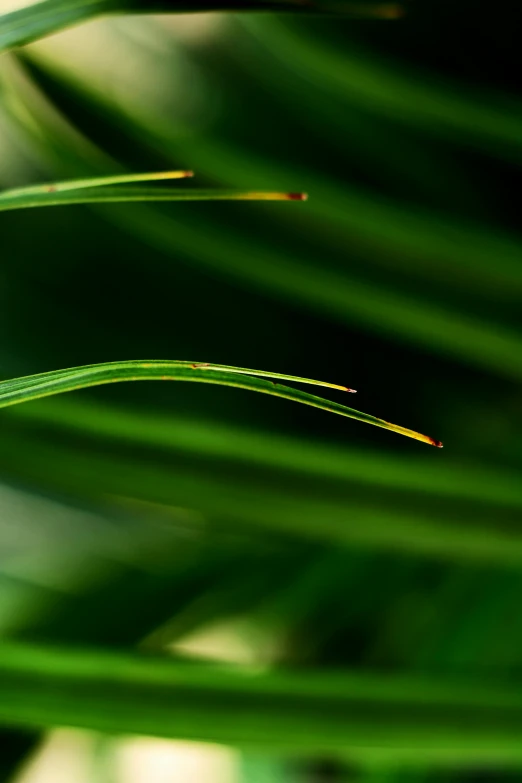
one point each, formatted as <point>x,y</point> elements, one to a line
<point>58,381</point>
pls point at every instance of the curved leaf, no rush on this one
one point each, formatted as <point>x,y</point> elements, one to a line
<point>45,384</point>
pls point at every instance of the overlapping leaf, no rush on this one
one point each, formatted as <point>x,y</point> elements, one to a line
<point>45,384</point>
<point>111,189</point>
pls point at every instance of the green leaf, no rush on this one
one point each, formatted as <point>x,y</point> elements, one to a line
<point>453,481</point>
<point>41,19</point>
<point>96,182</point>
<point>325,512</point>
<point>47,17</point>
<point>45,384</point>
<point>100,192</point>
<point>385,88</point>
<point>365,715</point>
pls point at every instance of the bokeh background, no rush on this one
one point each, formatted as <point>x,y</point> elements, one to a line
<point>209,526</point>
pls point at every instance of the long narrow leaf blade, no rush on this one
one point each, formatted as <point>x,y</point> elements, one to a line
<point>55,196</point>
<point>365,715</point>
<point>277,451</point>
<point>46,384</point>
<point>95,182</point>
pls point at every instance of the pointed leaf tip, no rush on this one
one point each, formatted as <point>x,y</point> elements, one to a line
<point>33,387</point>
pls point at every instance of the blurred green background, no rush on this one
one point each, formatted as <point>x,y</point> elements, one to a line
<point>338,604</point>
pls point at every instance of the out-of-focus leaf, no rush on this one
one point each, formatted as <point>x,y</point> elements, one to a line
<point>386,89</point>
<point>15,744</point>
<point>47,17</point>
<point>41,19</point>
<point>365,715</point>
<point>428,246</point>
<point>270,450</point>
<point>311,510</point>
<point>402,238</point>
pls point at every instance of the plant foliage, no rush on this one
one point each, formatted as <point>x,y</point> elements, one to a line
<point>197,563</point>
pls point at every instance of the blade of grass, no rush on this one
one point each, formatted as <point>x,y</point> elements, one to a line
<point>52,196</point>
<point>94,182</point>
<point>363,714</point>
<point>45,384</point>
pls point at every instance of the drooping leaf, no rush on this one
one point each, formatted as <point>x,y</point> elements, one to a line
<point>45,384</point>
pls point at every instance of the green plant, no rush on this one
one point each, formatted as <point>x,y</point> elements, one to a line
<point>361,600</point>
<point>36,386</point>
<point>48,16</point>
<point>73,192</point>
